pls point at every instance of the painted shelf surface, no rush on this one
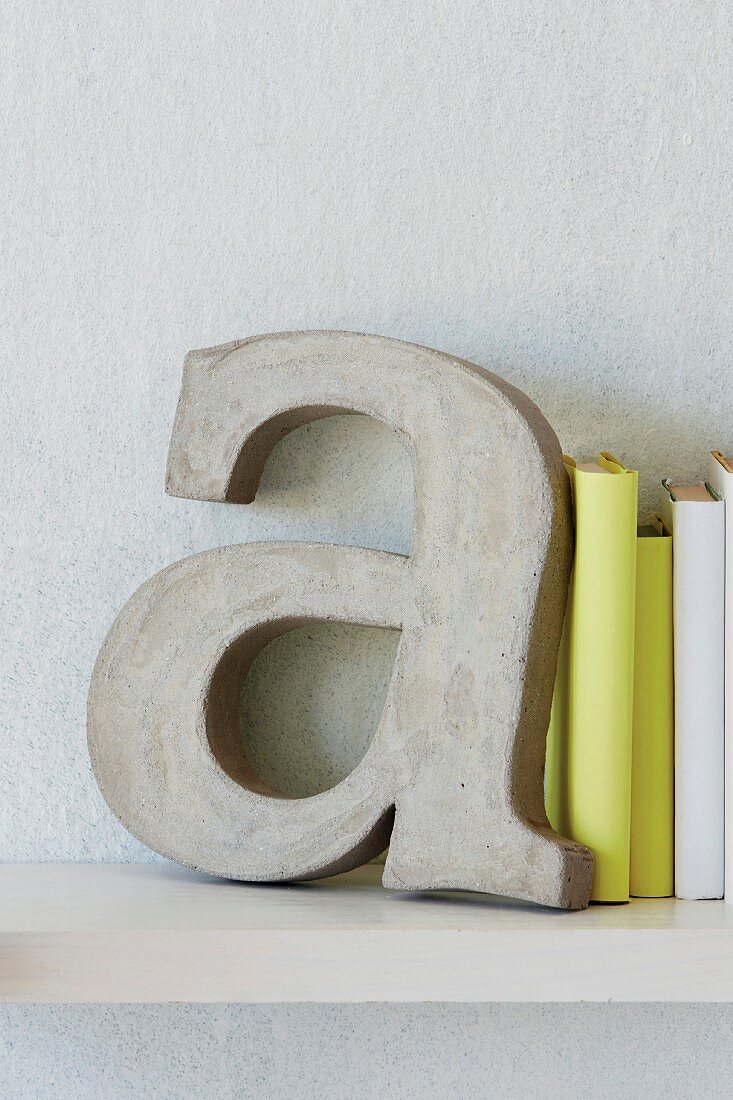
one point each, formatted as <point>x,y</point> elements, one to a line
<point>159,933</point>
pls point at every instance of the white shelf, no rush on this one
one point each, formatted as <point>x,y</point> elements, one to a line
<point>158,933</point>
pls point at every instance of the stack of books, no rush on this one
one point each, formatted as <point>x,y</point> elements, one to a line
<point>643,704</point>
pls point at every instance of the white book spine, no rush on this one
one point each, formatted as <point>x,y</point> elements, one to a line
<point>699,574</point>
<point>722,480</point>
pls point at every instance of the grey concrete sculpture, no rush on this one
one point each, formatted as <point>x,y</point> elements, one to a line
<point>453,778</point>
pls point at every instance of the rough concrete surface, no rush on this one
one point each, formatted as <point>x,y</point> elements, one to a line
<point>453,777</point>
<point>329,1052</point>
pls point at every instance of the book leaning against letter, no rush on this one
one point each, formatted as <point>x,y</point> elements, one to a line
<point>696,516</point>
<point>589,744</point>
<point>720,475</point>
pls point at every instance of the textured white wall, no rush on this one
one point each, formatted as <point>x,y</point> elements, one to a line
<point>542,186</point>
<point>368,1052</point>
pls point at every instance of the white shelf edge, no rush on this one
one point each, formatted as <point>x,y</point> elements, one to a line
<point>106,934</point>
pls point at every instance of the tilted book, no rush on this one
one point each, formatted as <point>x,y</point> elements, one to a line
<point>588,778</point>
<point>720,476</point>
<point>652,768</point>
<point>696,516</point>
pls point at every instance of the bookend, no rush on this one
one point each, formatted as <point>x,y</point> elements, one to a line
<point>453,778</point>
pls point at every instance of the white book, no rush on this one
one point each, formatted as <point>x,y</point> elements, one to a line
<point>696,517</point>
<point>720,475</point>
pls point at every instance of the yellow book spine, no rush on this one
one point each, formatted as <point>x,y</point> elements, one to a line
<point>652,771</point>
<point>588,791</point>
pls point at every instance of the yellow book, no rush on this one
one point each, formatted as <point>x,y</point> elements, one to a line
<point>652,769</point>
<point>589,743</point>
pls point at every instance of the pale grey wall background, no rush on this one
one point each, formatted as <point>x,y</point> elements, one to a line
<point>542,187</point>
<point>365,1052</point>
